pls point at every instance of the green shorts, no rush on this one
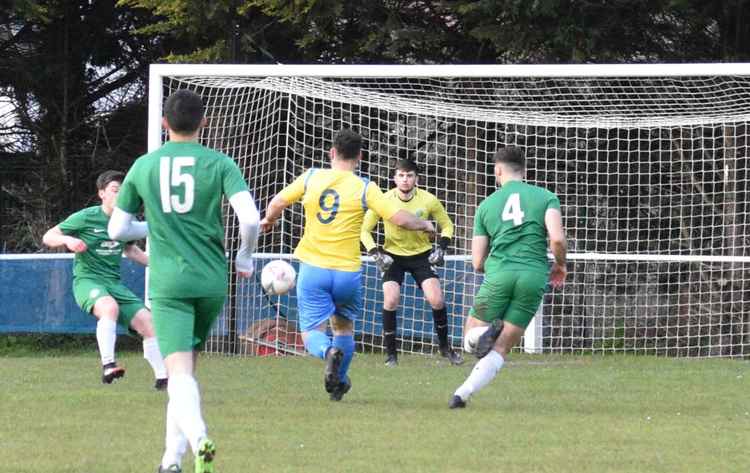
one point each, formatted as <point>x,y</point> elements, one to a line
<point>87,291</point>
<point>183,325</point>
<point>513,296</point>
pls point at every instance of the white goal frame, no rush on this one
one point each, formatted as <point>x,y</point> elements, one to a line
<point>533,337</point>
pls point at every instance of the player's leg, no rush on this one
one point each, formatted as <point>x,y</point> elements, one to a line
<point>174,323</point>
<point>315,306</point>
<point>134,315</point>
<point>391,296</point>
<point>434,295</point>
<point>207,310</point>
<point>526,290</point>
<point>337,374</point>
<point>107,311</point>
<point>93,297</point>
<point>143,324</point>
<point>392,281</point>
<point>347,296</point>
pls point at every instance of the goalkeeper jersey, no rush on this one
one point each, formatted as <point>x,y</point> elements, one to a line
<point>181,186</point>
<point>103,257</point>
<point>335,203</point>
<point>512,218</point>
<point>403,242</point>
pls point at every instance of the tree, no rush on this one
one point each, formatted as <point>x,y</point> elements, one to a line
<point>65,68</point>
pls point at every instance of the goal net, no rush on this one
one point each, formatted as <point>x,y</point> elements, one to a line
<point>650,164</point>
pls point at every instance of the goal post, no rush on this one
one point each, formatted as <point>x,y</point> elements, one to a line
<point>650,163</point>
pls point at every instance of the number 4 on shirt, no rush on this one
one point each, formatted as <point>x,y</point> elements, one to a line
<point>512,209</point>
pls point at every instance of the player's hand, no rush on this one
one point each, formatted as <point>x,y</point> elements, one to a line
<point>437,257</point>
<point>557,275</point>
<point>382,260</point>
<point>429,228</point>
<point>245,266</point>
<point>76,246</point>
<point>266,225</point>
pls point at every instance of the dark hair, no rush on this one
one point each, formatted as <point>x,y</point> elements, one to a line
<point>512,157</point>
<point>184,111</point>
<point>348,144</point>
<point>108,176</point>
<point>407,165</point>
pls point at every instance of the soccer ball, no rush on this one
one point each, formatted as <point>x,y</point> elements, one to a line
<point>472,336</point>
<point>278,277</point>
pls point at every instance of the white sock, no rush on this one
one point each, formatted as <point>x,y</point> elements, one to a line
<point>106,335</point>
<point>484,371</point>
<point>152,354</point>
<point>185,398</point>
<point>175,441</point>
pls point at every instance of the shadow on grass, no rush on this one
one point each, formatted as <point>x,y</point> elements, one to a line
<point>46,344</point>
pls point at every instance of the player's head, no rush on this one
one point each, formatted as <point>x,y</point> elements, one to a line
<point>347,145</point>
<point>183,112</point>
<point>107,186</point>
<point>510,163</point>
<point>406,175</point>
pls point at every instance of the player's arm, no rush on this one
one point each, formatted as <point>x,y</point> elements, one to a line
<point>382,260</point>
<point>409,221</point>
<point>480,243</point>
<point>134,253</point>
<point>390,211</point>
<point>55,238</point>
<point>558,245</point>
<point>249,219</point>
<point>480,246</point>
<point>289,195</point>
<point>123,226</point>
<point>368,225</point>
<point>273,212</point>
<point>446,233</point>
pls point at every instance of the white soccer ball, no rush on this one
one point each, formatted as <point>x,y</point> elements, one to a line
<point>278,277</point>
<point>472,336</point>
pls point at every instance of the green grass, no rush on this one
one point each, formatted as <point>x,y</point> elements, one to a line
<point>542,414</point>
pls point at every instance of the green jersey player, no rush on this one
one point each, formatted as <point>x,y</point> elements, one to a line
<point>511,229</point>
<point>180,187</point>
<point>97,287</point>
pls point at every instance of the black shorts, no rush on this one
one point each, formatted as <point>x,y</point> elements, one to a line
<point>417,265</point>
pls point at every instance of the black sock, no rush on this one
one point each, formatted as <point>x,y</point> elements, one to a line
<point>389,331</point>
<point>440,317</point>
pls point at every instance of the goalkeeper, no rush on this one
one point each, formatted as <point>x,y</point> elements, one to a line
<point>410,251</point>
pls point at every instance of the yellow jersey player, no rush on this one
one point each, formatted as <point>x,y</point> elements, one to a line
<point>329,286</point>
<point>412,252</point>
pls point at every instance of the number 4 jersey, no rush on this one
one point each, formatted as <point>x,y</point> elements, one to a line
<point>181,186</point>
<point>335,203</point>
<point>513,220</point>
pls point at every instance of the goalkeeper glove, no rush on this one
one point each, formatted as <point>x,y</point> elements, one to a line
<point>382,260</point>
<point>437,257</point>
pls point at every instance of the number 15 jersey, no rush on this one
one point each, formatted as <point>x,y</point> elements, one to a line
<point>512,218</point>
<point>181,185</point>
<point>335,203</point>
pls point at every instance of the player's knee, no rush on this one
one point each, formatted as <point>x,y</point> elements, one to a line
<point>436,301</point>
<point>341,324</point>
<point>509,338</point>
<point>390,304</point>
<point>106,307</point>
<point>143,324</point>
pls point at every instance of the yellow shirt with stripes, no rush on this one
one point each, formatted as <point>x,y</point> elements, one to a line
<point>400,241</point>
<point>335,203</point>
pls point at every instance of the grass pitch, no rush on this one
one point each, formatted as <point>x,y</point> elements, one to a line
<point>542,414</point>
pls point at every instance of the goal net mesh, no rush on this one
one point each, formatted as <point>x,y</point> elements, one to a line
<point>651,173</point>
